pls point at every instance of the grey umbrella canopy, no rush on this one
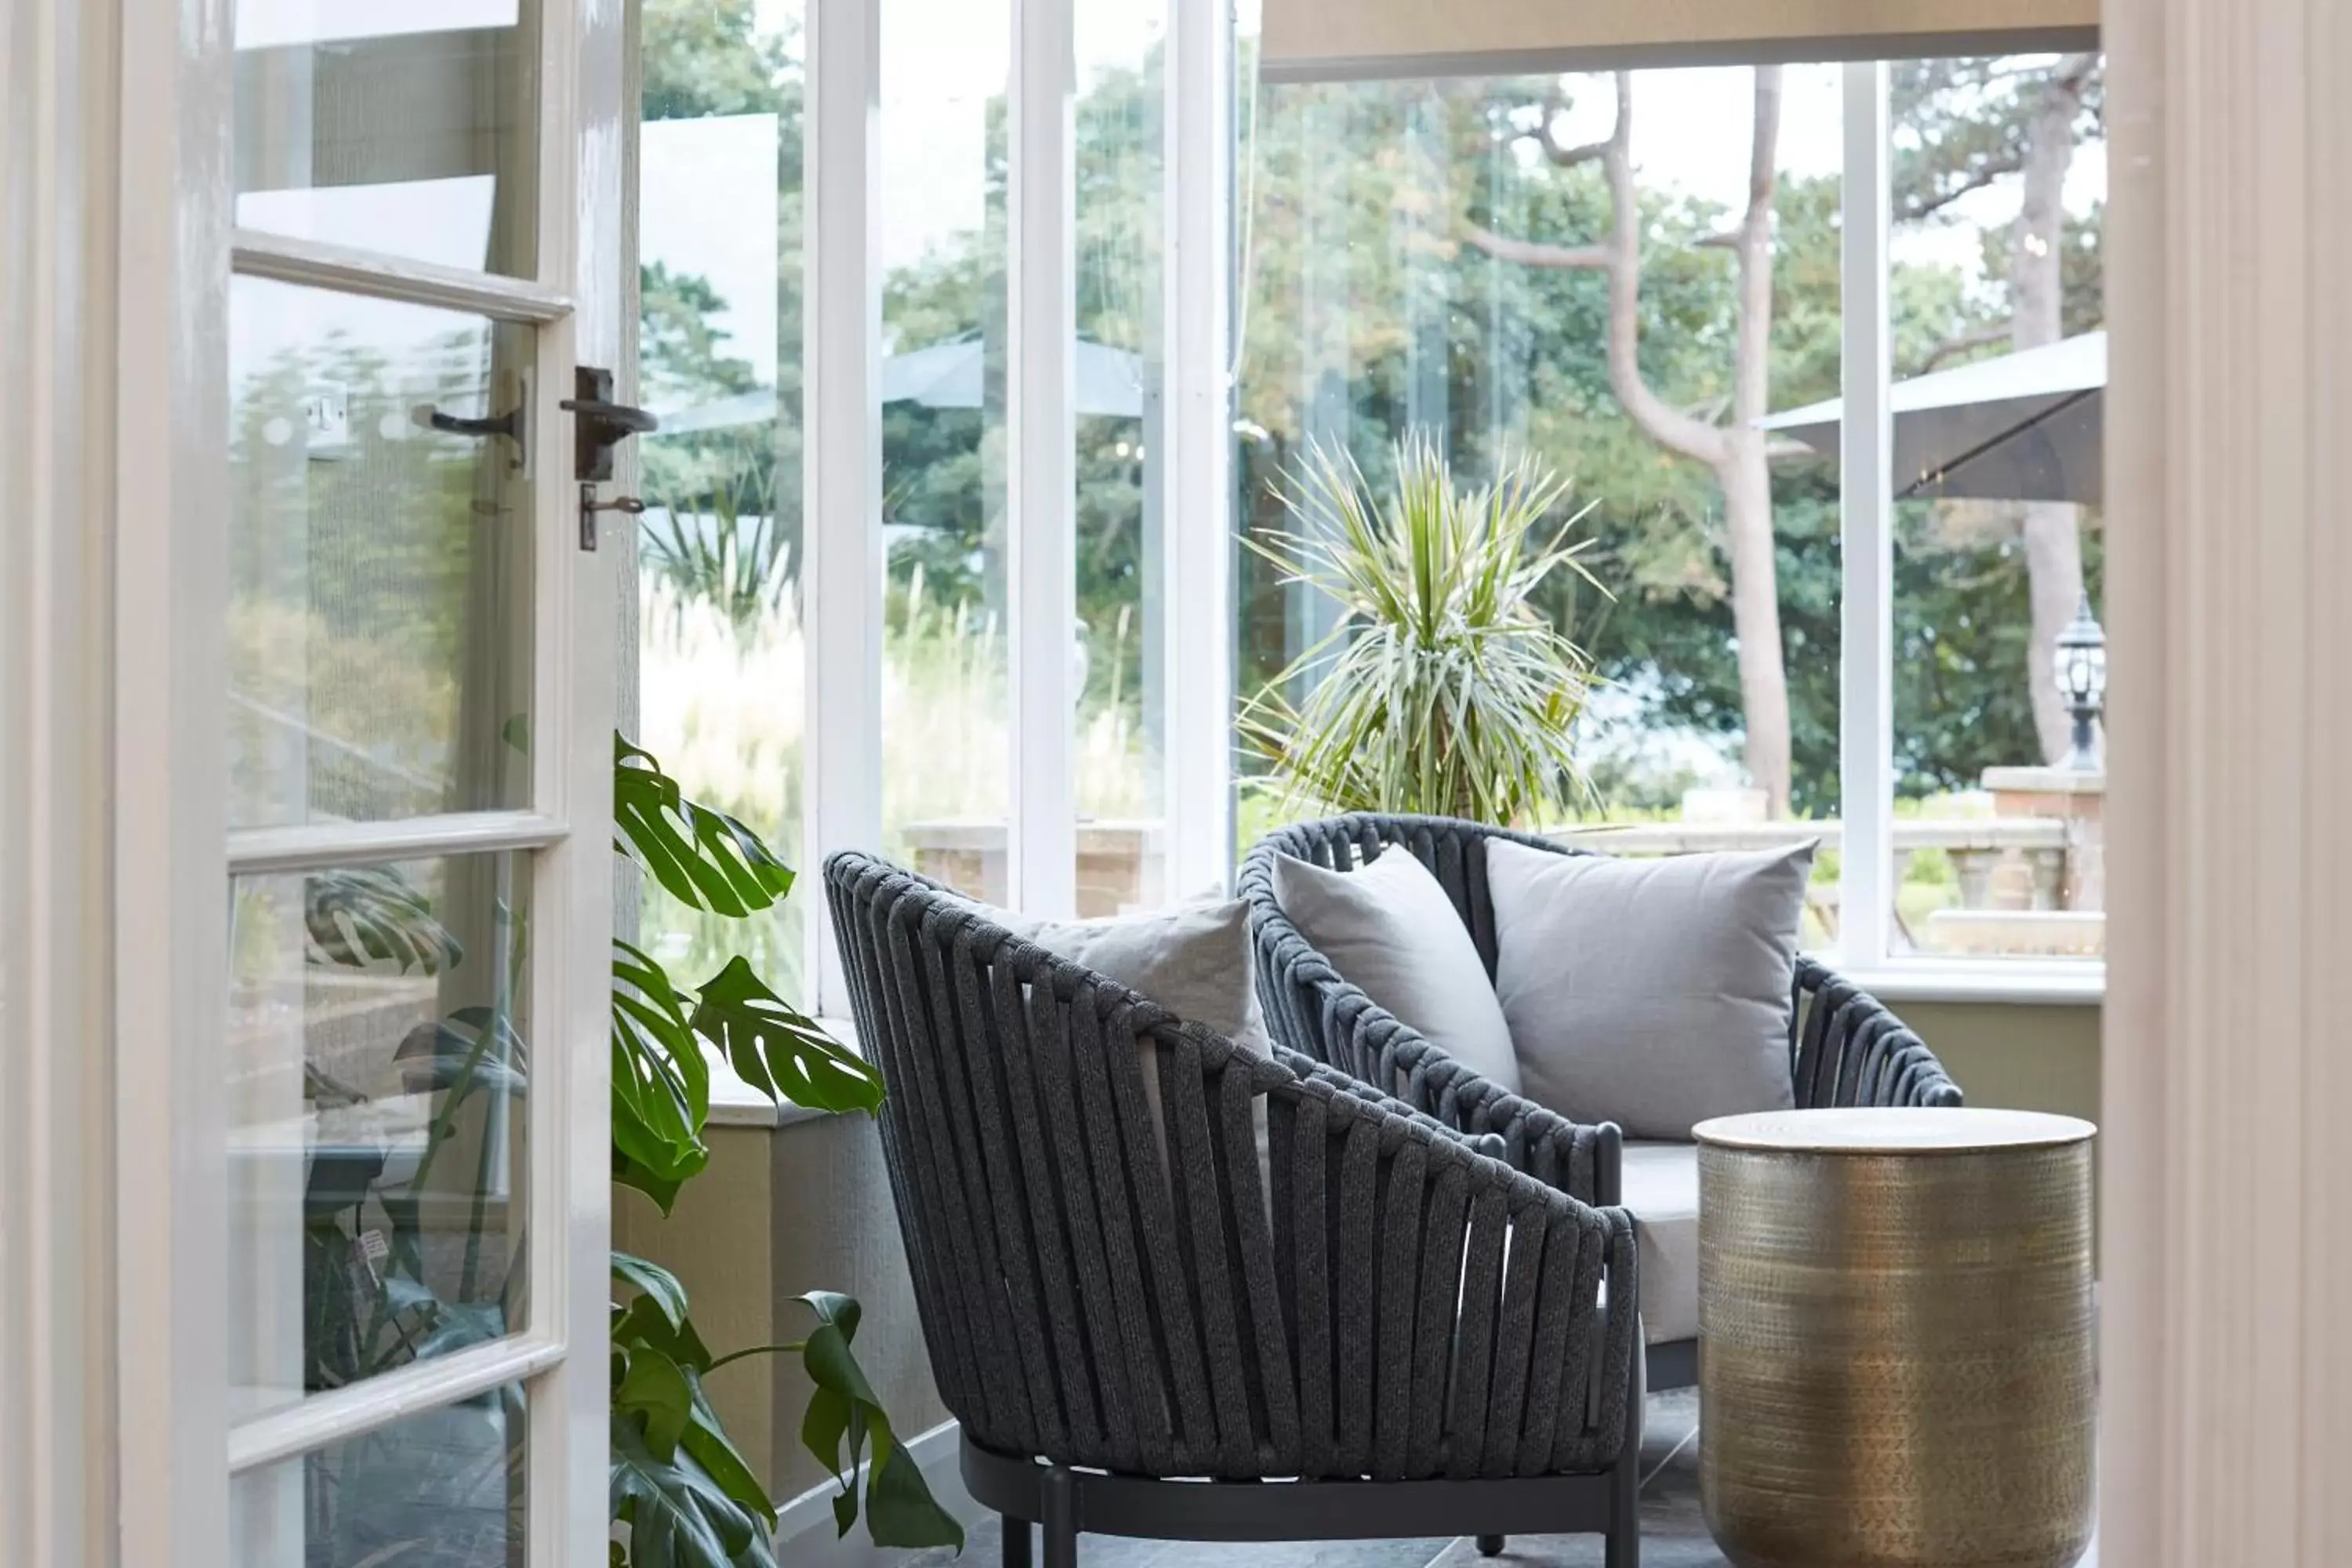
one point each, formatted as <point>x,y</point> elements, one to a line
<point>2028,425</point>
<point>943,375</point>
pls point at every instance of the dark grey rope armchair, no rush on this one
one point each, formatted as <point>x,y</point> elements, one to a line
<point>1844,1047</point>
<point>1412,1337</point>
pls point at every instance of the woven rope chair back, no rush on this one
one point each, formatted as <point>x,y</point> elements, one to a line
<point>1107,1275</point>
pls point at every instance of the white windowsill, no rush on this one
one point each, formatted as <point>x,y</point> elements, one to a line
<point>2023,983</point>
<point>734,1103</point>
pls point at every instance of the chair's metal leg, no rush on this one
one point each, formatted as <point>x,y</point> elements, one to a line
<point>1016,1541</point>
<point>1060,1492</point>
<point>1490,1546</point>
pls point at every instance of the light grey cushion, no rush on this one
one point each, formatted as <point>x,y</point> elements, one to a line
<point>1390,928</point>
<point>1654,994</point>
<point>1196,960</point>
<point>1660,1187</point>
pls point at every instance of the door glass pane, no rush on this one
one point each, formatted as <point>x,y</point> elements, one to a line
<point>380,567</point>
<point>1121,455</point>
<point>443,1489</point>
<point>409,130</point>
<point>946,714</point>
<point>720,652</point>
<point>378,1131</point>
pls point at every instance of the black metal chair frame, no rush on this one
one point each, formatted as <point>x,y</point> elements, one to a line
<point>1381,1331</point>
<point>1845,1048</point>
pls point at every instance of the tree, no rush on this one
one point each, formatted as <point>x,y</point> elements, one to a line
<point>1733,449</point>
<point>1974,123</point>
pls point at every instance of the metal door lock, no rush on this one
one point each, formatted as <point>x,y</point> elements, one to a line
<point>590,506</point>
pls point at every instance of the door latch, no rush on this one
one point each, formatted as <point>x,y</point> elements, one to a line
<point>599,424</point>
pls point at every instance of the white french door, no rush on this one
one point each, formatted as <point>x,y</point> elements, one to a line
<point>417,694</point>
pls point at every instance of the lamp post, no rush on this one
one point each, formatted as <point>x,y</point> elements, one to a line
<point>2080,663</point>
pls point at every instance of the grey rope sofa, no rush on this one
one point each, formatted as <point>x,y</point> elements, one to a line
<point>1844,1047</point>
<point>1120,1304</point>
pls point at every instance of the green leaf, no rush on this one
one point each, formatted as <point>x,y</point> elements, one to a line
<point>677,1515</point>
<point>900,1508</point>
<point>706,1440</point>
<point>661,1085</point>
<point>657,1284</point>
<point>779,1051</point>
<point>841,1415</point>
<point>700,856</point>
<point>642,1324</point>
<point>369,916</point>
<point>656,1388</point>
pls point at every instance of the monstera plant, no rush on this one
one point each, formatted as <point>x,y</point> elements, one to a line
<point>681,1492</point>
<point>390,1280</point>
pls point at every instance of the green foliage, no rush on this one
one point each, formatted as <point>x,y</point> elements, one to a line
<point>1445,693</point>
<point>678,1484</point>
<point>700,856</point>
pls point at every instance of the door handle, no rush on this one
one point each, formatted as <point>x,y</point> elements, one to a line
<point>509,424</point>
<point>600,423</point>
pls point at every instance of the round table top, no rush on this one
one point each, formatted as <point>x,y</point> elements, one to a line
<point>1892,1130</point>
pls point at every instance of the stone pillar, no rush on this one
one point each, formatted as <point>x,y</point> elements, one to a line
<point>2075,798</point>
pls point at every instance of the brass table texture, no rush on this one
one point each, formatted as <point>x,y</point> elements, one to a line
<point>1895,1357</point>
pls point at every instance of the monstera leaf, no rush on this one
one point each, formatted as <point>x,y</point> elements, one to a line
<point>369,916</point>
<point>700,856</point>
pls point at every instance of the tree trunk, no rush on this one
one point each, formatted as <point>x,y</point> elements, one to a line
<point>2054,545</point>
<point>1756,616</point>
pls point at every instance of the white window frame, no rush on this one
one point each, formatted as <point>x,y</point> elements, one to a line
<point>841,586</point>
<point>174,858</point>
<point>1867,886</point>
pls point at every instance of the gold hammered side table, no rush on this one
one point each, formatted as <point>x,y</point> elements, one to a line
<point>1896,1353</point>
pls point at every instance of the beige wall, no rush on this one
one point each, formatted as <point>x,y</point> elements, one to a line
<point>779,1212</point>
<point>2029,1058</point>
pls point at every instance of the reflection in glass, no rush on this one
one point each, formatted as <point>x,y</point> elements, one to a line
<point>379,568</point>
<point>411,131</point>
<point>1999,169</point>
<point>720,652</point>
<point>1429,257</point>
<point>1121,455</point>
<point>945,711</point>
<point>443,1489</point>
<point>378,1095</point>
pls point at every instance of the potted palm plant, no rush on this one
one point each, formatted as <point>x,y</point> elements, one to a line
<point>1442,689</point>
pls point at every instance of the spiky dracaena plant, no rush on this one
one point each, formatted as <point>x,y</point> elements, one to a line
<point>1442,690</point>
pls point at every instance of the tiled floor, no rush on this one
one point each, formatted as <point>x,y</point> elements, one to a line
<point>1674,1534</point>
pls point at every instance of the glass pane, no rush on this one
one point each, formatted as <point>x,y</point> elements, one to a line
<point>719,653</point>
<point>440,1489</point>
<point>378,1131</point>
<point>1121,455</point>
<point>947,763</point>
<point>409,130</point>
<point>380,567</point>
<point>1418,263</point>
<point>1999,771</point>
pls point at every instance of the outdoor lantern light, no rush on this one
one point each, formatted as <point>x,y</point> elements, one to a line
<point>2080,662</point>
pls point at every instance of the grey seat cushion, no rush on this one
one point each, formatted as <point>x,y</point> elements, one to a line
<point>1654,994</point>
<point>1661,1190</point>
<point>1390,928</point>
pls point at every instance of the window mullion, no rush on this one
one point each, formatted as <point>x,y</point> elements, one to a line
<point>842,582</point>
<point>1042,494</point>
<point>1199,631</point>
<point>1865,460</point>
